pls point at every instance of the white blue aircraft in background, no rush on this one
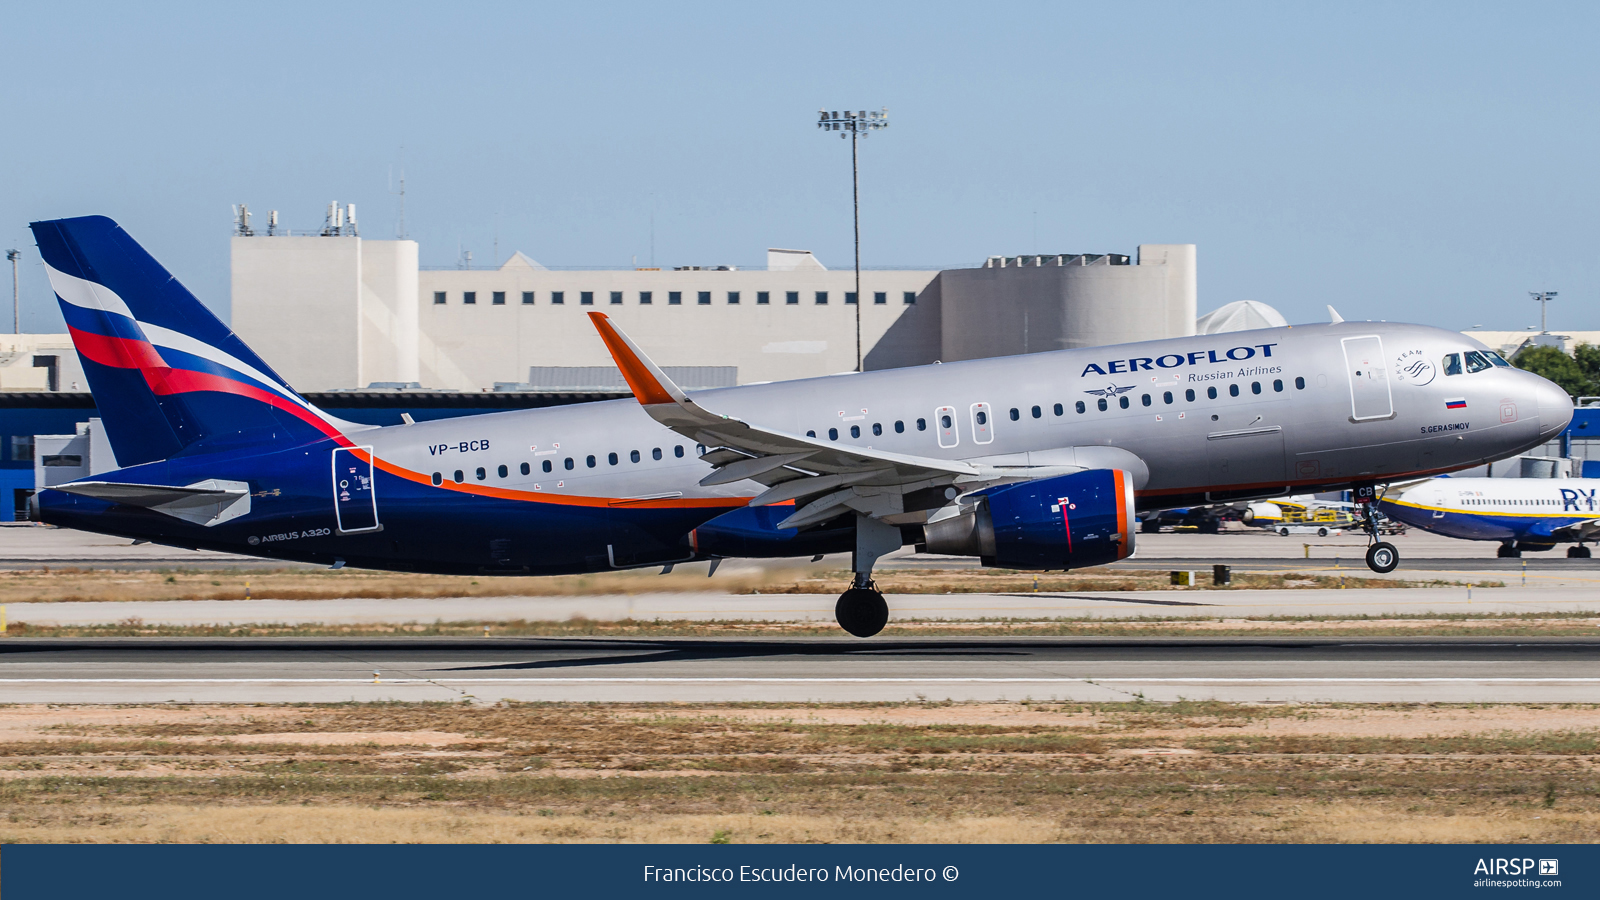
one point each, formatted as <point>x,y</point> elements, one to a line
<point>1520,513</point>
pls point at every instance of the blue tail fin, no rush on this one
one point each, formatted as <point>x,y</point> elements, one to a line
<point>166,374</point>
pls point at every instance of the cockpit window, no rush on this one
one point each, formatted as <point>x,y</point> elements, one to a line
<point>1496,358</point>
<point>1477,362</point>
<point>1452,364</point>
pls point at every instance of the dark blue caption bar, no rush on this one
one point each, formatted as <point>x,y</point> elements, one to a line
<point>30,872</point>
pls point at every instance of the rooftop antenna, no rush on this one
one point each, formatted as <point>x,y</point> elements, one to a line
<point>854,124</point>
<point>272,222</point>
<point>241,221</point>
<point>354,232</point>
<point>1543,298</point>
<point>400,226</point>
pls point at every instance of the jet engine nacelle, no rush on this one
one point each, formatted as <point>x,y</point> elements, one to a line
<point>1067,522</point>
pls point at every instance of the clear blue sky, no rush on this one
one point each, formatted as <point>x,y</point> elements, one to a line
<point>1428,162</point>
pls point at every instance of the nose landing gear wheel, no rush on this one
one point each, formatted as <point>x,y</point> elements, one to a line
<point>862,611</point>
<point>1382,557</point>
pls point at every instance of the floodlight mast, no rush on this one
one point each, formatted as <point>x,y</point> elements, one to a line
<point>16,296</point>
<point>1543,298</point>
<point>853,124</point>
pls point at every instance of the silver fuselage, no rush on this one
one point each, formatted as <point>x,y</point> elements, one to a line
<point>1294,409</point>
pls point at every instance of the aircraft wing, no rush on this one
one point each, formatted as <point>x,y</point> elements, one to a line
<point>1587,530</point>
<point>824,478</point>
<point>207,503</point>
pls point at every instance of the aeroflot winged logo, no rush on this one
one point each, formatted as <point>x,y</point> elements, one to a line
<point>1175,360</point>
<point>1110,390</point>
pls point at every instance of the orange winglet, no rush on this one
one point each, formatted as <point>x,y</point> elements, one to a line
<point>634,369</point>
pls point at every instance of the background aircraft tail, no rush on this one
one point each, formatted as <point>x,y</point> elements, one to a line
<point>167,375</point>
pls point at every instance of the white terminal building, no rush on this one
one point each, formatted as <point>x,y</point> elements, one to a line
<point>335,311</point>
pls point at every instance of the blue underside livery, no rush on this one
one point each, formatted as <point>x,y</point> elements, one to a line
<point>1473,526</point>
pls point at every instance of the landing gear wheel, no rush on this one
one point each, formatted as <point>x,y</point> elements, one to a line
<point>862,611</point>
<point>1506,551</point>
<point>1578,552</point>
<point>1382,557</point>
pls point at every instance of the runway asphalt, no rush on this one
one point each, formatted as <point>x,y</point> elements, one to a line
<point>715,605</point>
<point>1564,670</point>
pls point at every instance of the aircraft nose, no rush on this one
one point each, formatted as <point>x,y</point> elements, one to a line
<point>1555,408</point>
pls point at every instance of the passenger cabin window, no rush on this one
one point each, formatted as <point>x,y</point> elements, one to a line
<point>459,476</point>
<point>655,453</point>
<point>589,461</point>
<point>482,474</point>
<point>1166,397</point>
<point>1058,409</point>
<point>1233,390</point>
<point>899,427</point>
<point>546,466</point>
<point>1122,402</point>
<point>1102,404</point>
<point>1080,407</point>
<point>855,431</point>
<point>1277,385</point>
<point>569,463</point>
<point>1255,387</point>
<point>1189,395</point>
<point>833,434</point>
<point>611,458</point>
<point>1477,362</point>
<point>922,424</point>
<point>438,478</point>
<point>811,434</point>
<point>503,471</point>
<point>1211,393</point>
<point>1037,413</point>
<point>1299,383</point>
<point>1144,399</point>
<point>678,451</point>
<point>877,429</point>
<point>1452,364</point>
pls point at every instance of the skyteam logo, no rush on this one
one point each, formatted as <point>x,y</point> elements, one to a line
<point>1411,367</point>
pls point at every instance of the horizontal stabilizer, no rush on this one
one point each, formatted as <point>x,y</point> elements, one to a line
<point>206,503</point>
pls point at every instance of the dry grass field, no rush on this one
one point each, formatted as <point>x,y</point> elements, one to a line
<point>1192,772</point>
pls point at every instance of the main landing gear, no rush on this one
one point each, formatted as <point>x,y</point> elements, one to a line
<point>1578,552</point>
<point>1382,556</point>
<point>861,610</point>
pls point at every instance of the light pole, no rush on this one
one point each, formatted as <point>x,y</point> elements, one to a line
<point>1543,298</point>
<point>16,296</point>
<point>855,125</point>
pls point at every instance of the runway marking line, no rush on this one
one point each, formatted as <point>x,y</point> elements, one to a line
<point>678,680</point>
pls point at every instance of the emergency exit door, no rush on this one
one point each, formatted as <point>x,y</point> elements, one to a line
<point>355,503</point>
<point>1369,379</point>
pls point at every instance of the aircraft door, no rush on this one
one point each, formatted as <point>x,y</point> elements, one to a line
<point>355,503</point>
<point>982,423</point>
<point>1370,398</point>
<point>944,420</point>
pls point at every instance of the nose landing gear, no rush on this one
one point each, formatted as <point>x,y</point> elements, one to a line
<point>1382,556</point>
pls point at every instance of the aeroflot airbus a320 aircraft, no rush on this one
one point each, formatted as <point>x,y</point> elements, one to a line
<point>1029,462</point>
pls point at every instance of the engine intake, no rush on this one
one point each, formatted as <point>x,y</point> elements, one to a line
<point>1066,522</point>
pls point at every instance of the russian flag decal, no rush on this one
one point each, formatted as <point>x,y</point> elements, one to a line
<point>1456,403</point>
